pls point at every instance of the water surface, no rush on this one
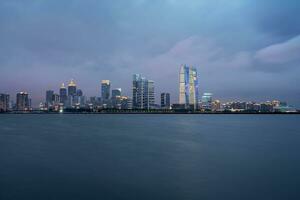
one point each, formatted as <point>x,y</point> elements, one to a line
<point>149,157</point>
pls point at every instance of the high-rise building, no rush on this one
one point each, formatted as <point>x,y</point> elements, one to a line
<point>72,88</point>
<point>63,94</point>
<point>4,102</point>
<point>49,97</point>
<point>165,101</point>
<point>143,96</point>
<point>116,92</point>
<point>23,101</point>
<point>188,86</point>
<point>105,90</point>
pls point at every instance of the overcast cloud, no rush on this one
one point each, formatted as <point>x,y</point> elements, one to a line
<point>243,49</point>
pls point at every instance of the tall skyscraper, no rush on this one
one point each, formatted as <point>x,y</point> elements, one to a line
<point>23,101</point>
<point>105,89</point>
<point>188,86</point>
<point>49,97</point>
<point>143,95</point>
<point>63,94</point>
<point>4,102</point>
<point>72,88</point>
<point>165,101</point>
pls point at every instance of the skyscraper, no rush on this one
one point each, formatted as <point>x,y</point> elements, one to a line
<point>105,89</point>
<point>23,102</point>
<point>4,102</point>
<point>165,101</point>
<point>188,86</point>
<point>72,88</point>
<point>63,94</point>
<point>143,96</point>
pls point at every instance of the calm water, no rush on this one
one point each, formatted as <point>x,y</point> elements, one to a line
<point>149,157</point>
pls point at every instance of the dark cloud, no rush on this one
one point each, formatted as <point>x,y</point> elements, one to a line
<point>276,17</point>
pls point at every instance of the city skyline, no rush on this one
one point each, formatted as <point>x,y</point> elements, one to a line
<point>72,98</point>
<point>243,50</point>
<point>187,93</point>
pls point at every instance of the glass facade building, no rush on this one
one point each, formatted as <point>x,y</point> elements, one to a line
<point>188,86</point>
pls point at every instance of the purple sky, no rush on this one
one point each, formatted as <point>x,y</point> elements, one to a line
<point>243,50</point>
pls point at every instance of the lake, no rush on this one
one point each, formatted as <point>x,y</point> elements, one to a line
<point>94,156</point>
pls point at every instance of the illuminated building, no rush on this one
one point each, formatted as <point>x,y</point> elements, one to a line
<point>188,86</point>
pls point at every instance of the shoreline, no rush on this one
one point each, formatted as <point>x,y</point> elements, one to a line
<point>150,113</point>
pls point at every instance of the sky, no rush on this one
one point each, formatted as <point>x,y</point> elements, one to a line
<point>242,49</point>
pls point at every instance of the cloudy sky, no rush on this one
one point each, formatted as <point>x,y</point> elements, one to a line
<point>243,49</point>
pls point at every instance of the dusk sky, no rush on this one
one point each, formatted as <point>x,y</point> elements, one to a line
<point>243,49</point>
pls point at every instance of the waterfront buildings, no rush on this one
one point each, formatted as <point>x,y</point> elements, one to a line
<point>23,101</point>
<point>143,96</point>
<point>188,87</point>
<point>4,102</point>
<point>165,101</point>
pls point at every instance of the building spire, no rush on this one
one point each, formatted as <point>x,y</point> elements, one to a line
<point>72,83</point>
